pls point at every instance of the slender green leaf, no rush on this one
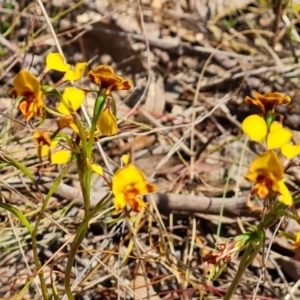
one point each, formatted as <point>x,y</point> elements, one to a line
<point>18,214</point>
<point>6,157</point>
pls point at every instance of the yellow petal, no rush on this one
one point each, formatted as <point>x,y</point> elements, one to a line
<point>107,123</point>
<point>297,240</point>
<point>73,98</point>
<point>96,168</point>
<point>25,84</point>
<point>55,61</point>
<point>290,151</point>
<point>298,237</point>
<point>251,176</point>
<point>278,136</point>
<point>65,121</point>
<point>269,162</point>
<point>125,159</point>
<point>61,157</point>
<point>75,128</point>
<point>77,73</point>
<point>285,195</point>
<point>45,148</point>
<point>275,126</point>
<point>255,127</point>
<point>119,202</point>
<point>145,187</point>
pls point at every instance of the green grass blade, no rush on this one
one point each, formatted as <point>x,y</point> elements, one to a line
<point>17,214</point>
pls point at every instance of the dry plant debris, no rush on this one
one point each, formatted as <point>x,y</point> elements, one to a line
<point>191,64</point>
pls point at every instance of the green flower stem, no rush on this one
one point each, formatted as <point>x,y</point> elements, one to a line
<point>82,168</point>
<point>85,176</point>
<point>247,258</point>
<point>36,258</point>
<point>252,250</point>
<point>100,101</point>
<point>80,234</point>
<point>272,216</point>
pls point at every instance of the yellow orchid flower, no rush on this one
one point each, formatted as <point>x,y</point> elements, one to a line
<point>72,100</point>
<point>105,77</point>
<point>46,146</point>
<point>128,183</point>
<point>268,101</point>
<point>26,85</point>
<point>266,171</point>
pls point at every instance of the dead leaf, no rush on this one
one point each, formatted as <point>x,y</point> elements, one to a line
<point>156,100</point>
<point>139,285</point>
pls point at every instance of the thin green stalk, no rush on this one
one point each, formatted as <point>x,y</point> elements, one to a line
<point>36,258</point>
<point>100,101</point>
<point>269,219</point>
<point>80,234</point>
<point>82,168</point>
<point>85,175</point>
<point>246,260</point>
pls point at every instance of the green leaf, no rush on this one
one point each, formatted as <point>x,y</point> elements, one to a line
<point>4,156</point>
<point>17,214</point>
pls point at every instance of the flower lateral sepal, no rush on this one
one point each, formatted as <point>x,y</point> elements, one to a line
<point>95,167</point>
